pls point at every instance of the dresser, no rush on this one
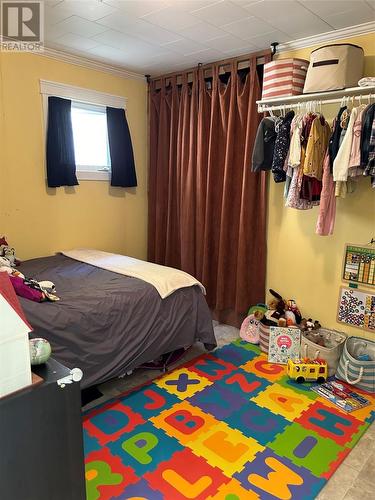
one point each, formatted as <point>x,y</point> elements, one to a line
<point>41,446</point>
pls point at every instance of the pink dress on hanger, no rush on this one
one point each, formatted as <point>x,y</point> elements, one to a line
<point>327,208</point>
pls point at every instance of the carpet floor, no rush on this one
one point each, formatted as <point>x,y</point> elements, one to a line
<point>226,425</point>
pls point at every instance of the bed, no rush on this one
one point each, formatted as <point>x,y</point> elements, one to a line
<point>107,323</point>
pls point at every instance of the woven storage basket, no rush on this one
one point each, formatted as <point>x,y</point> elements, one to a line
<point>355,372</point>
<point>330,354</point>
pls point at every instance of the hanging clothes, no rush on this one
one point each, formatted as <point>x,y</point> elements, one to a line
<point>341,163</point>
<point>281,147</point>
<point>316,148</point>
<point>334,142</point>
<point>368,143</point>
<point>264,144</point>
<point>327,208</point>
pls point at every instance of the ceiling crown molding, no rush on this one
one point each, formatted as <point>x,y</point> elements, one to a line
<point>86,62</point>
<point>359,29</point>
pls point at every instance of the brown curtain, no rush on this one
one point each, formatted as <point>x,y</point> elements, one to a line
<point>207,210</point>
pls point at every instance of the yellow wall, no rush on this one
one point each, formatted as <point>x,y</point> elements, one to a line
<point>40,221</point>
<point>303,265</point>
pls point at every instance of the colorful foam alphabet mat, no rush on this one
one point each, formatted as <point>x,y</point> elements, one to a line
<point>225,426</point>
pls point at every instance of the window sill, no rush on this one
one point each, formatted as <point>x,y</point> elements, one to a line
<point>93,175</point>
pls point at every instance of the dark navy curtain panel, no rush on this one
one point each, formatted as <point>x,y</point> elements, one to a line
<point>61,165</point>
<point>120,149</point>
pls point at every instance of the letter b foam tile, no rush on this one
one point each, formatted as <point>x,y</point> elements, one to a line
<point>283,401</point>
<point>184,422</point>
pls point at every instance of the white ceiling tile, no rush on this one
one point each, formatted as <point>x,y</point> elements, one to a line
<point>184,46</point>
<point>52,3</point>
<point>328,7</point>
<point>53,31</point>
<point>240,52</point>
<point>140,28</point>
<point>76,42</point>
<point>362,14</point>
<point>137,8</point>
<point>264,41</point>
<point>227,42</point>
<point>190,5</point>
<point>109,53</point>
<point>53,16</point>
<point>248,27</point>
<point>221,13</point>
<point>89,9</point>
<point>123,42</point>
<point>171,19</point>
<point>201,32</point>
<point>152,33</point>
<point>79,26</point>
<point>116,21</point>
<point>289,17</point>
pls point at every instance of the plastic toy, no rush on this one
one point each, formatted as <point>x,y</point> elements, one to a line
<point>308,370</point>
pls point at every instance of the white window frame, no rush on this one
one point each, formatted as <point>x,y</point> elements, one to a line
<point>86,96</point>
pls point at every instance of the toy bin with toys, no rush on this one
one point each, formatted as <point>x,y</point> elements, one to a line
<point>307,370</point>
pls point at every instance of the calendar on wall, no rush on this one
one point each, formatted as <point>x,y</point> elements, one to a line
<point>357,308</point>
<point>359,264</point>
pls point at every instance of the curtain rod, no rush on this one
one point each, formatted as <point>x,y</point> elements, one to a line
<point>263,108</point>
<point>224,62</point>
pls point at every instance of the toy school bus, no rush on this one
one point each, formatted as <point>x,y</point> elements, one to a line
<point>308,370</point>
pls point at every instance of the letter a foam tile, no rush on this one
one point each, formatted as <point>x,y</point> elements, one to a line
<point>225,448</point>
<point>283,401</point>
<point>186,476</point>
<point>183,383</point>
<point>184,422</point>
<point>273,477</point>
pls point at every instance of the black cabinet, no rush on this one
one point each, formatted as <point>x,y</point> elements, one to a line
<point>41,447</point>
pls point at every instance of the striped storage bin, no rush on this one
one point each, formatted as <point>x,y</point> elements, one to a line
<point>284,77</point>
<point>354,371</point>
<point>264,337</point>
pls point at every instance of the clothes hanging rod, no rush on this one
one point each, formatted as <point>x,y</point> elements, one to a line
<point>332,97</point>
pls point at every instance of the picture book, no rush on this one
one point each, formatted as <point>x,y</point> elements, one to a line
<point>284,344</point>
<point>341,395</point>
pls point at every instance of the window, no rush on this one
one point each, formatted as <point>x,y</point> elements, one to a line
<point>90,135</point>
<point>89,123</point>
